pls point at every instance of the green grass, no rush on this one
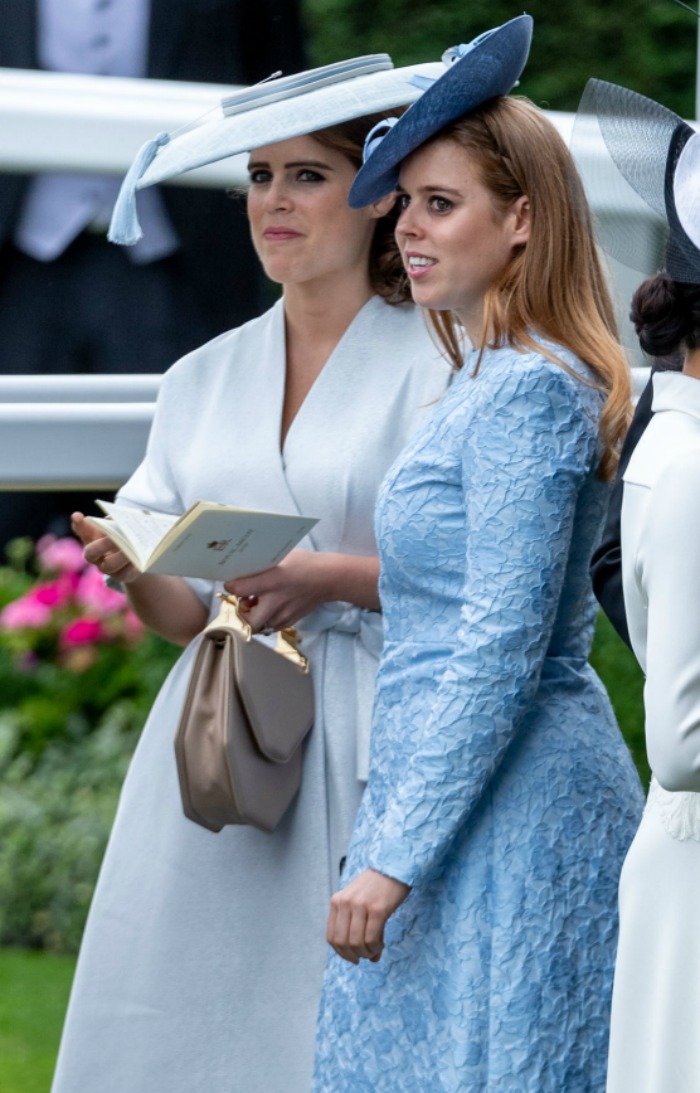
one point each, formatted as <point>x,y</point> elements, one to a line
<point>34,989</point>
<point>617,667</point>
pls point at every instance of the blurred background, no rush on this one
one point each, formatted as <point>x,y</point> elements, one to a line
<point>648,45</point>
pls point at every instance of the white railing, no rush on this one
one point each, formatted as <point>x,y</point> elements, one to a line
<point>59,432</point>
<point>55,121</point>
<point>73,432</point>
<point>83,432</point>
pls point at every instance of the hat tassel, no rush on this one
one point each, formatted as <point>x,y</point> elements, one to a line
<point>124,227</point>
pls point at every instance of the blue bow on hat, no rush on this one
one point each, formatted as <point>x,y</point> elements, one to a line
<point>489,66</point>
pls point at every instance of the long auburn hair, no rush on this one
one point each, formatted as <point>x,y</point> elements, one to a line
<point>554,285</point>
<point>387,275</point>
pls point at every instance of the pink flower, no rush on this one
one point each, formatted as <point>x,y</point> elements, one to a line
<point>64,555</point>
<point>53,593</point>
<point>93,593</point>
<point>26,613</point>
<point>82,632</point>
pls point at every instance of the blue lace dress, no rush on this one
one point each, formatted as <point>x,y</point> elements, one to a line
<point>500,787</point>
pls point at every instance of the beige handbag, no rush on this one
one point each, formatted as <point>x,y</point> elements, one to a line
<point>247,710</point>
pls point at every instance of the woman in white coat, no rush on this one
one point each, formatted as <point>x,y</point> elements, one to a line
<point>655,1029</point>
<point>202,960</point>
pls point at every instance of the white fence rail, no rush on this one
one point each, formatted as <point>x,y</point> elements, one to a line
<point>73,432</point>
<point>60,432</point>
<point>55,121</point>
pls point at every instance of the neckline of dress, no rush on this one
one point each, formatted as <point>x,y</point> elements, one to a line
<point>311,394</point>
<point>676,391</point>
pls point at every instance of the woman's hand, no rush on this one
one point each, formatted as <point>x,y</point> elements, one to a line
<point>164,604</point>
<point>102,552</point>
<point>359,914</point>
<point>281,596</point>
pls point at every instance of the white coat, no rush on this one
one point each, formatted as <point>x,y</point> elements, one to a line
<point>655,1030</point>
<point>201,965</point>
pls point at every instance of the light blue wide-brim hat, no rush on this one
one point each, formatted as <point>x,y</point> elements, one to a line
<point>267,113</point>
<point>489,66</point>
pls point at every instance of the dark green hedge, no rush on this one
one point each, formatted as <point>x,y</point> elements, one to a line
<point>648,45</point>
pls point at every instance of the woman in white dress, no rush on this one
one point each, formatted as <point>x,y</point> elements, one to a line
<point>655,1030</point>
<point>203,955</point>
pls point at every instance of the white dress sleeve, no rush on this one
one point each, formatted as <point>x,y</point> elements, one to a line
<point>153,485</point>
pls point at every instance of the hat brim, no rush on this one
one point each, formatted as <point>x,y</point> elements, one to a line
<point>491,68</point>
<point>277,121</point>
<point>629,148</point>
<point>686,187</point>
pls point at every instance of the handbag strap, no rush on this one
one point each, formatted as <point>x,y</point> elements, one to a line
<point>288,640</point>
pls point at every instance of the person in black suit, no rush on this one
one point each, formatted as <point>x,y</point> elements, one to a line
<point>92,308</point>
<point>606,563</point>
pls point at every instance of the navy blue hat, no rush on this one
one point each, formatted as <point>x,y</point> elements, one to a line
<point>491,65</point>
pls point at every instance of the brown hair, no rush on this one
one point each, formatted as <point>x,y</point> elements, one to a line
<point>666,315</point>
<point>554,285</point>
<point>387,275</point>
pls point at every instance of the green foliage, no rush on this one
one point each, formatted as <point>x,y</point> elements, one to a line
<point>69,648</point>
<point>55,817</point>
<point>77,678</point>
<point>649,46</point>
<point>618,668</point>
<point>50,703</point>
<point>34,991</point>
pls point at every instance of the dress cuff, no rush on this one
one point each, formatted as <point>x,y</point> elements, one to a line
<point>394,860</point>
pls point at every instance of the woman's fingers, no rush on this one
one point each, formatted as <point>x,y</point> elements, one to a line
<point>267,611</point>
<point>251,588</point>
<point>374,935</point>
<point>102,550</point>
<point>338,930</point>
<point>256,603</point>
<point>84,531</point>
<point>359,913</point>
<point>96,543</point>
<point>349,938</point>
<point>285,593</point>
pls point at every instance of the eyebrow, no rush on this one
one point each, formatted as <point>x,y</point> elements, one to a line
<point>432,190</point>
<point>257,163</point>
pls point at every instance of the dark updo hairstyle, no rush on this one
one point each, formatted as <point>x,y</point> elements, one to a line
<point>387,275</point>
<point>666,315</point>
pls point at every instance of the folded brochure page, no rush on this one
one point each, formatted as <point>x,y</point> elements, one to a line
<point>217,542</point>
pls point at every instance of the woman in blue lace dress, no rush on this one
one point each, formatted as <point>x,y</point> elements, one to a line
<point>475,935</point>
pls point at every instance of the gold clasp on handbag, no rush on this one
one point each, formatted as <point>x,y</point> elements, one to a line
<point>229,615</point>
<point>288,640</point>
<point>288,646</point>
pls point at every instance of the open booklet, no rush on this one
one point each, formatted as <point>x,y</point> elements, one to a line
<point>217,542</point>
